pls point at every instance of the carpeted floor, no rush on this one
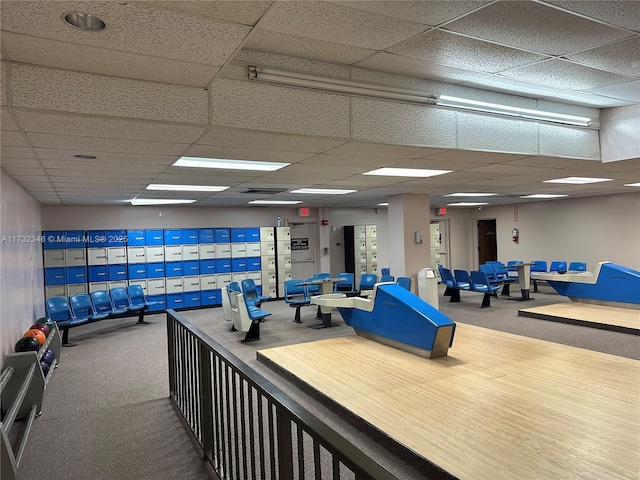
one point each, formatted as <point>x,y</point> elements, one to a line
<point>106,414</point>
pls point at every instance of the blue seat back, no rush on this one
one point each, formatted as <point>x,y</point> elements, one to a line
<point>136,294</point>
<point>58,309</point>
<point>119,297</point>
<point>293,291</point>
<point>346,283</point>
<point>321,275</point>
<point>385,271</point>
<point>234,287</point>
<point>249,289</point>
<point>577,267</point>
<point>558,266</point>
<point>500,270</point>
<point>538,266</point>
<point>487,268</point>
<point>463,280</point>
<point>102,301</point>
<point>81,305</point>
<point>404,282</point>
<point>312,289</point>
<point>367,281</point>
<point>479,278</point>
<point>511,265</point>
<point>387,278</point>
<point>447,277</point>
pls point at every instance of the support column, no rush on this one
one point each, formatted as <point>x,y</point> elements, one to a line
<point>409,214</point>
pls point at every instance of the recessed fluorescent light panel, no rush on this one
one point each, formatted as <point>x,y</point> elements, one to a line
<point>228,164</point>
<point>323,191</point>
<point>447,101</point>
<point>406,172</point>
<point>632,184</point>
<point>466,204</point>
<point>383,204</point>
<point>544,195</point>
<point>470,194</point>
<point>274,202</point>
<point>158,201</point>
<point>578,180</point>
<point>185,188</point>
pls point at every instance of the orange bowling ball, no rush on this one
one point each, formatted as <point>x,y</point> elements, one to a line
<point>37,334</point>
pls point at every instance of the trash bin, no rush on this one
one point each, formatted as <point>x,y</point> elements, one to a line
<point>428,286</point>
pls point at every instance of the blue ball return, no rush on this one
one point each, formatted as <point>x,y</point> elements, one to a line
<point>394,316</point>
<point>610,284</point>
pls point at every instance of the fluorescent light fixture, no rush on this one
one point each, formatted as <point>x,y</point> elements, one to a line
<point>383,204</point>
<point>274,202</point>
<point>470,194</point>
<point>228,164</point>
<point>578,180</point>
<point>406,172</point>
<point>632,184</point>
<point>544,195</point>
<point>447,101</point>
<point>338,85</point>
<point>158,201</point>
<point>323,191</point>
<point>185,188</point>
<point>466,204</point>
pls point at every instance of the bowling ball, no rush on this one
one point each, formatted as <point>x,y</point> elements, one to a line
<point>47,321</point>
<point>45,368</point>
<point>48,356</point>
<point>27,344</point>
<point>41,326</point>
<point>37,334</point>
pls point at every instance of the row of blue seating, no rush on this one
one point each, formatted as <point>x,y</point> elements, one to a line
<point>476,281</point>
<point>541,266</point>
<point>81,308</point>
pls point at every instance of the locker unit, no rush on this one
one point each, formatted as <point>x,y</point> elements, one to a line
<point>268,278</point>
<point>283,257</point>
<point>434,230</point>
<point>65,262</point>
<point>360,250</point>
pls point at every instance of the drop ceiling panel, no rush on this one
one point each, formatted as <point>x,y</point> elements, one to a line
<point>473,156</point>
<point>94,144</point>
<point>621,57</point>
<point>621,13</point>
<point>89,166</point>
<point>132,27</point>
<point>91,126</point>
<point>6,120</point>
<point>518,24</point>
<point>20,162</point>
<point>77,173</point>
<point>3,83</point>
<point>456,51</point>
<point>429,13</point>
<point>225,137</point>
<point>212,151</point>
<point>382,150</point>
<point>106,157</point>
<point>247,12</point>
<point>353,161</point>
<point>102,61</point>
<point>17,152</point>
<point>62,90</point>
<point>23,171</point>
<point>339,24</point>
<point>313,49</point>
<point>313,169</point>
<point>13,139</point>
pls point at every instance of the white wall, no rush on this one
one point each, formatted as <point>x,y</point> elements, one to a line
<point>21,277</point>
<point>620,133</point>
<point>592,229</point>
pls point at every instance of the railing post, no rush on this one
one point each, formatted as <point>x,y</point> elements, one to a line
<point>285,447</point>
<point>171,353</point>
<point>206,401</point>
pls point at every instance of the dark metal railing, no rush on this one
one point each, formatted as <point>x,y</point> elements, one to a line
<point>247,427</point>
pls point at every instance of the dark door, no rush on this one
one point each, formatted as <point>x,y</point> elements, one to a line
<point>487,243</point>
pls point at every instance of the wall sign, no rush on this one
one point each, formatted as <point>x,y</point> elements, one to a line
<point>299,244</point>
<point>515,214</point>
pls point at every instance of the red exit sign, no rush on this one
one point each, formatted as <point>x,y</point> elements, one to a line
<point>304,212</point>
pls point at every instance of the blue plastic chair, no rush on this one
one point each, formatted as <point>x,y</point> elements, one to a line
<point>387,278</point>
<point>251,294</point>
<point>104,305</point>
<point>537,266</point>
<point>137,297</point>
<point>120,299</point>
<point>404,282</point>
<point>480,283</point>
<point>385,271</point>
<point>367,281</point>
<point>346,283</point>
<point>296,296</point>
<point>59,310</point>
<point>558,266</point>
<point>82,307</point>
<point>577,267</point>
<point>463,280</point>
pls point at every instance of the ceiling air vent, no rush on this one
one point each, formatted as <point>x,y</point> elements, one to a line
<point>263,191</point>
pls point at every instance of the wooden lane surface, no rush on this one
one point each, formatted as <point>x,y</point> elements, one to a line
<point>586,314</point>
<point>499,406</point>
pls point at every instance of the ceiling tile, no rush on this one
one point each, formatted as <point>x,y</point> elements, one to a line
<point>247,12</point>
<point>91,145</point>
<point>563,74</point>
<point>456,51</point>
<point>91,126</point>
<point>472,156</point>
<point>90,166</point>
<point>212,151</point>
<point>13,139</point>
<point>351,160</point>
<point>622,57</point>
<point>17,152</point>
<point>380,150</point>
<point>313,49</point>
<point>518,24</point>
<point>132,27</point>
<point>22,171</point>
<point>6,121</point>
<point>20,162</point>
<point>621,13</point>
<point>339,24</point>
<point>430,13</point>
<point>102,61</point>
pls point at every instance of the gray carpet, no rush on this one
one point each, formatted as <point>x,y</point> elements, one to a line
<point>106,414</point>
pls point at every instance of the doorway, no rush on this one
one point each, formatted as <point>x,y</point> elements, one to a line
<point>487,241</point>
<point>303,249</point>
<point>439,243</point>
